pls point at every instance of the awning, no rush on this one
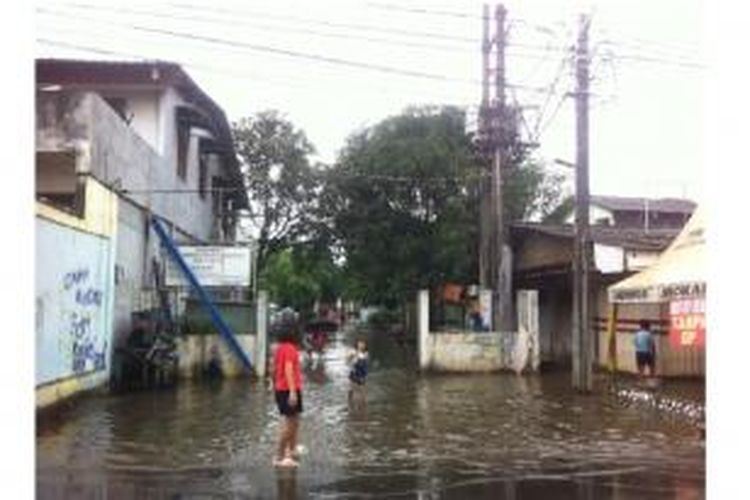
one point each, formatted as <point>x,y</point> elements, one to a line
<point>680,272</point>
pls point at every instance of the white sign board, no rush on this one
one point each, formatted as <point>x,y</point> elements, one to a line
<point>213,266</point>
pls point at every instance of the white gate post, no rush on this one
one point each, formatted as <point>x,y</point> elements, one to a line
<point>528,326</point>
<point>261,334</point>
<point>423,328</point>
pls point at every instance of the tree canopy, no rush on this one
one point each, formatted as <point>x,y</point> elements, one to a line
<point>402,202</point>
<point>400,206</point>
<point>279,179</point>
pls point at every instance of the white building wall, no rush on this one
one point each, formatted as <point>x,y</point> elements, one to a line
<point>142,108</point>
<point>639,260</point>
<point>609,259</point>
<point>168,102</point>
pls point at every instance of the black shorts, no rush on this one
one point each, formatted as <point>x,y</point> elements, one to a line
<point>644,359</point>
<point>282,402</point>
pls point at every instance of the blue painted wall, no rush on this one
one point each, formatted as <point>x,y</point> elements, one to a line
<point>74,301</point>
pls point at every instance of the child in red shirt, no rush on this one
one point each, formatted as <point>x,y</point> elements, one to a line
<point>288,392</point>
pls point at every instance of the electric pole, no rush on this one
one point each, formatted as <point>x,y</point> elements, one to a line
<point>485,235</point>
<point>581,341</point>
<point>495,269</point>
<point>501,269</point>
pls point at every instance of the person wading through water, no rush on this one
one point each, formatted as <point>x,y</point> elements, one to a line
<point>358,374</point>
<point>288,392</point>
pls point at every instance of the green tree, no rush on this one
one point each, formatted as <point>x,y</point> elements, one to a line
<point>279,178</point>
<point>403,206</point>
<point>298,276</point>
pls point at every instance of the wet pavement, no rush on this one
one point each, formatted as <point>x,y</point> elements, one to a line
<point>440,436</point>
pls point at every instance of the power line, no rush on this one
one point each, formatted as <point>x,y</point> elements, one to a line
<point>650,45</point>
<point>239,45</point>
<point>421,34</point>
<point>377,85</point>
<point>207,20</point>
<point>417,10</point>
<point>657,60</point>
<point>185,63</point>
<point>269,49</point>
<point>548,98</point>
<point>380,40</point>
<point>387,6</point>
<point>549,120</point>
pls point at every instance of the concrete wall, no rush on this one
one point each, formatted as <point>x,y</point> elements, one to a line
<point>195,352</point>
<point>74,274</point>
<point>466,352</point>
<point>130,267</point>
<point>539,250</point>
<point>142,110</point>
<point>460,351</point>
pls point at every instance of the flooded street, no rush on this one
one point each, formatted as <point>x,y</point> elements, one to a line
<point>435,436</point>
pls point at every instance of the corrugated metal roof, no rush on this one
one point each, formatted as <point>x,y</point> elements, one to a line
<point>638,204</point>
<point>631,239</point>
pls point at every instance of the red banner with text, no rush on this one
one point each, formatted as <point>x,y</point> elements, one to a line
<point>687,322</point>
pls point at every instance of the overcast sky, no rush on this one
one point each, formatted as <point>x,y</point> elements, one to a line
<point>348,64</point>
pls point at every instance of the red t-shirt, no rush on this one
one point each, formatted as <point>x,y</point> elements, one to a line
<point>286,352</point>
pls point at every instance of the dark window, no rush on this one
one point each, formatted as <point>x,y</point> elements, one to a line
<point>120,106</point>
<point>215,193</point>
<point>202,174</point>
<point>57,182</point>
<point>183,145</point>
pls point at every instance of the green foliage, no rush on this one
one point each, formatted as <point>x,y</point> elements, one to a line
<point>296,277</point>
<point>399,208</point>
<point>531,192</point>
<point>279,178</point>
<point>398,199</point>
<point>403,205</point>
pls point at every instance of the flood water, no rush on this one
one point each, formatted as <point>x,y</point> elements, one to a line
<point>433,436</point>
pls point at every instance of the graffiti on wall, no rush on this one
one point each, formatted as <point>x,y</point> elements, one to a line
<point>73,303</point>
<point>84,300</point>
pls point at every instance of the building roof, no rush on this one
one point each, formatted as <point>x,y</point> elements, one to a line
<point>638,204</point>
<point>630,239</point>
<point>156,73</point>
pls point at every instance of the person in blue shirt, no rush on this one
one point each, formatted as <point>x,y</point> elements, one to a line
<point>645,349</point>
<point>359,361</point>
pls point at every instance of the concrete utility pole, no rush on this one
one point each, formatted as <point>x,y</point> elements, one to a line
<point>502,316</point>
<point>485,235</point>
<point>582,377</point>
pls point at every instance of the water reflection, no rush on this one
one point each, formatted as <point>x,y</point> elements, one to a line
<point>483,436</point>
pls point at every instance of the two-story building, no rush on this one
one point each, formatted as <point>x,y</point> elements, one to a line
<point>116,143</point>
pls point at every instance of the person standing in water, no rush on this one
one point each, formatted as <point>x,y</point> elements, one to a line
<point>288,392</point>
<point>645,349</point>
<point>359,361</point>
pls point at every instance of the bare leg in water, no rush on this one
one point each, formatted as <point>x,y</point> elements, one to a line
<point>285,437</point>
<point>293,423</point>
